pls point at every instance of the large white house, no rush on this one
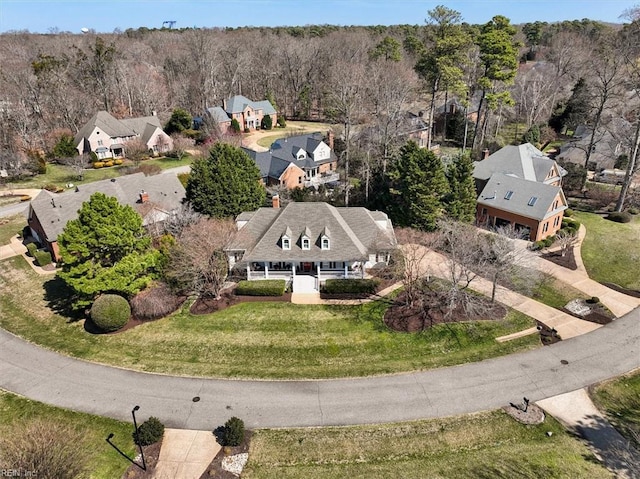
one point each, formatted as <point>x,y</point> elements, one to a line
<point>106,136</point>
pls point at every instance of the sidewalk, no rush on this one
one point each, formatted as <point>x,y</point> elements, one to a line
<point>14,248</point>
<point>576,412</point>
<point>618,303</point>
<point>185,454</point>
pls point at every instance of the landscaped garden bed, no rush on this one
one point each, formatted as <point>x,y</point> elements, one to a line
<point>229,298</point>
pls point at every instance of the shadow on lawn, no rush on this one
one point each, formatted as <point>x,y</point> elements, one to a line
<point>59,298</point>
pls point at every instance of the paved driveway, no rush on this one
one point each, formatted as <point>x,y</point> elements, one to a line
<point>45,376</point>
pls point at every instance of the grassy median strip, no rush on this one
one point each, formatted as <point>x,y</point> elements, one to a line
<point>609,250</point>
<point>484,445</point>
<point>103,461</point>
<point>254,340</point>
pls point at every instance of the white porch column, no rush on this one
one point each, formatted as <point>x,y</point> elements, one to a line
<point>293,270</point>
<point>248,271</point>
<point>346,270</point>
<point>266,270</point>
<point>318,268</point>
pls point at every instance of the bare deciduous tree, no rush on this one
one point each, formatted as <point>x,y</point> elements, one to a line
<point>412,265</point>
<point>198,263</point>
<point>181,145</point>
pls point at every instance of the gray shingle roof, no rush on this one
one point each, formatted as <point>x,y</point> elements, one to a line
<point>107,123</point>
<point>283,152</point>
<point>495,194</point>
<point>237,104</point>
<point>524,161</point>
<point>354,233</point>
<point>55,210</point>
<point>218,114</point>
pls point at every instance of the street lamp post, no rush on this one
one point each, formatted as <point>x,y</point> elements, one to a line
<point>135,425</point>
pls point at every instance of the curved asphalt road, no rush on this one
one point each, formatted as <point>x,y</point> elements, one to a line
<point>40,374</point>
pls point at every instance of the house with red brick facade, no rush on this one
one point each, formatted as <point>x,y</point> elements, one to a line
<point>297,161</point>
<point>247,113</point>
<point>520,186</point>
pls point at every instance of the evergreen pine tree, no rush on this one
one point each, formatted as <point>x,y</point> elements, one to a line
<point>461,200</point>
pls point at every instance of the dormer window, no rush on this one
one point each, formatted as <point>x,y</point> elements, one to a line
<point>305,239</point>
<point>325,240</point>
<point>285,239</point>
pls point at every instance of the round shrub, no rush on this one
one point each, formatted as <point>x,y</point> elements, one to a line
<point>233,432</point>
<point>619,217</point>
<point>98,164</point>
<point>155,302</point>
<point>117,162</point>
<point>568,212</point>
<point>108,163</point>
<point>110,312</point>
<point>149,432</point>
<point>593,300</point>
<point>633,211</point>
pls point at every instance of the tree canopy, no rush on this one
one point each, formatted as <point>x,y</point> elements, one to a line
<point>461,200</point>
<point>105,250</point>
<point>180,121</point>
<point>418,188</point>
<point>225,184</point>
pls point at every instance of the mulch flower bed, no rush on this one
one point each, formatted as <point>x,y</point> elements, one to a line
<point>215,468</point>
<point>567,261</point>
<point>401,317</point>
<point>151,455</point>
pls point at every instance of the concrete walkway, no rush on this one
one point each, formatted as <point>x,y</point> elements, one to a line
<point>576,411</point>
<point>14,248</point>
<point>185,454</point>
<point>618,303</point>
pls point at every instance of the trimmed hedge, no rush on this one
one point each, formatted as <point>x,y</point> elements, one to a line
<point>32,248</point>
<point>265,287</point>
<point>98,164</point>
<point>350,286</point>
<point>619,217</point>
<point>149,432</point>
<point>110,312</point>
<point>43,258</point>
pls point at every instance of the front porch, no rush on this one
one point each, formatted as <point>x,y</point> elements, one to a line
<point>319,270</point>
<point>314,178</point>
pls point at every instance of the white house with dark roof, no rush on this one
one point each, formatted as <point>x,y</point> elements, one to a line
<point>520,186</point>
<point>297,161</point>
<point>153,197</point>
<point>312,239</point>
<point>106,136</point>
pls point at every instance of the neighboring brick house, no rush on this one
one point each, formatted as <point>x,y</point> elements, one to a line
<point>521,187</point>
<point>106,136</point>
<point>314,240</point>
<point>248,113</point>
<point>297,161</point>
<point>153,197</point>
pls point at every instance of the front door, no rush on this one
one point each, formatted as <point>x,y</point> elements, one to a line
<point>306,267</point>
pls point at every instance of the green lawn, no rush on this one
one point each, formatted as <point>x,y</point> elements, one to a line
<point>620,400</point>
<point>488,445</point>
<point>260,340</point>
<point>610,251</point>
<point>60,175</point>
<point>11,226</point>
<point>104,461</point>
<point>297,127</point>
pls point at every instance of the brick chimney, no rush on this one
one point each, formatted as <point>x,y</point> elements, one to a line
<point>144,196</point>
<point>485,153</point>
<point>330,138</point>
<point>275,201</point>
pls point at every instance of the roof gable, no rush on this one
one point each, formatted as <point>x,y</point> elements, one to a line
<point>525,161</point>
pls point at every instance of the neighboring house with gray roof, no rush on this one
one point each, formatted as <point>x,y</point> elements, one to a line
<point>520,186</point>
<point>605,150</point>
<point>314,239</point>
<point>106,136</point>
<point>248,113</point>
<point>153,197</point>
<point>297,161</point>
